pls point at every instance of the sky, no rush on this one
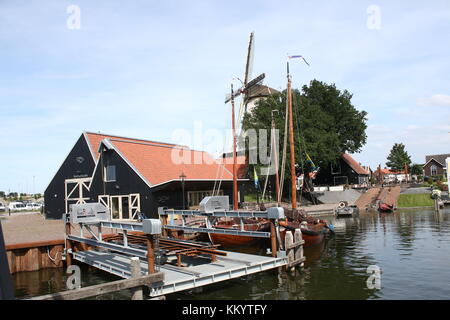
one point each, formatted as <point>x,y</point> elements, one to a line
<point>153,69</point>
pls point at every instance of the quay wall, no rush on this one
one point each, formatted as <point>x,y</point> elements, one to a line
<point>35,255</point>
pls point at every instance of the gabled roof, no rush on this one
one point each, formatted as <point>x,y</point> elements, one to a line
<point>94,139</point>
<point>353,164</point>
<point>442,164</point>
<point>159,163</point>
<point>439,158</point>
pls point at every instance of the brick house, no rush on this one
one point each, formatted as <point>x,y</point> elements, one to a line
<point>435,165</point>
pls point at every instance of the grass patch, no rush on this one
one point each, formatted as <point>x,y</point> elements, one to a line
<point>415,200</point>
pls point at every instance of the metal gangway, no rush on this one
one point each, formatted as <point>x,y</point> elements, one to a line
<point>202,263</point>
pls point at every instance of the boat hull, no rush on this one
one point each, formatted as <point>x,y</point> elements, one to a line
<point>385,208</point>
<point>312,235</point>
<point>228,240</point>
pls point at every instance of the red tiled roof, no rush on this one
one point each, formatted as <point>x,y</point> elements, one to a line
<point>353,164</point>
<point>241,165</point>
<point>94,140</point>
<point>388,171</point>
<point>158,163</point>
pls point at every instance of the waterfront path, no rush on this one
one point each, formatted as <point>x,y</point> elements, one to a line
<point>31,228</point>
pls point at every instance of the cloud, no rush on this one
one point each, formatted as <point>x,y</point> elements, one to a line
<point>435,100</point>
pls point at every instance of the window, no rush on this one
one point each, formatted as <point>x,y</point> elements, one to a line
<point>336,168</point>
<point>110,173</point>
<point>433,170</point>
<point>195,197</point>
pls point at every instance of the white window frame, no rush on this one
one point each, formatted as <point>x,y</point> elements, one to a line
<point>105,179</point>
<point>134,205</point>
<point>434,168</point>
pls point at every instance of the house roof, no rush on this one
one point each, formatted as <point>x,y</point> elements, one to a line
<point>94,139</point>
<point>159,163</point>
<point>354,164</point>
<point>439,158</point>
<point>241,164</point>
<point>388,171</point>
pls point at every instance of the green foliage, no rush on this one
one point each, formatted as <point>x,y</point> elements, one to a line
<point>416,169</point>
<point>326,124</point>
<point>398,157</point>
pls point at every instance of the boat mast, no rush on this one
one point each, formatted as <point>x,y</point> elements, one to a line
<point>235,188</point>
<point>291,141</point>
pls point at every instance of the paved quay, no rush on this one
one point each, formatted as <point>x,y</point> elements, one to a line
<point>32,227</point>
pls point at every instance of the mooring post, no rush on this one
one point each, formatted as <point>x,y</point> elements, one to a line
<point>164,223</point>
<point>289,240</point>
<point>150,254</point>
<point>273,238</point>
<point>298,250</point>
<point>135,268</point>
<point>68,244</point>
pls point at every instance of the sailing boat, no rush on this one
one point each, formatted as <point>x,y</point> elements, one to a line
<point>262,225</point>
<point>313,230</point>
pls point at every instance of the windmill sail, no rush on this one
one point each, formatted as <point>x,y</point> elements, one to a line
<point>247,75</point>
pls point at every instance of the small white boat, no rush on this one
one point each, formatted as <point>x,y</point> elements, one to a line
<point>345,210</point>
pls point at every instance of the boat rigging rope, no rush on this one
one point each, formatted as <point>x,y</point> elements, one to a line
<point>297,122</point>
<point>283,163</point>
<point>272,144</point>
<point>220,167</point>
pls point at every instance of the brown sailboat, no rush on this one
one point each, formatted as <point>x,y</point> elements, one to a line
<point>313,230</point>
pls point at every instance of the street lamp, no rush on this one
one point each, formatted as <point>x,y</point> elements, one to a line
<point>182,177</point>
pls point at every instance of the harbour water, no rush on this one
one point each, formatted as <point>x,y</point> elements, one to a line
<point>411,248</point>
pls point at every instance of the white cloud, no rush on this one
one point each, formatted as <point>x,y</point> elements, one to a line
<point>435,100</point>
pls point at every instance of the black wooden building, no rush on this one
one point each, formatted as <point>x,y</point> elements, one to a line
<point>346,171</point>
<point>133,175</point>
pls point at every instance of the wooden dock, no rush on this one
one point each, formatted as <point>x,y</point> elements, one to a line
<point>196,272</point>
<point>142,249</point>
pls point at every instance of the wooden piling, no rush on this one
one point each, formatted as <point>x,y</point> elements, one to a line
<point>289,241</point>
<point>164,223</point>
<point>68,245</point>
<point>294,249</point>
<point>135,268</point>
<point>273,238</point>
<point>150,254</point>
<point>298,250</point>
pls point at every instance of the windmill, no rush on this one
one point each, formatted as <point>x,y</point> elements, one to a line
<point>246,83</point>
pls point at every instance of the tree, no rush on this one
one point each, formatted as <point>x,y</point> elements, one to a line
<point>416,169</point>
<point>398,157</point>
<point>326,124</point>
